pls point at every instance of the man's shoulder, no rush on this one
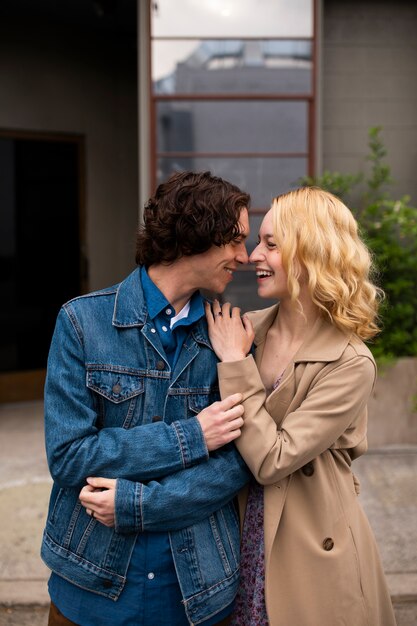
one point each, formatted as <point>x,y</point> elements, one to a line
<point>87,300</point>
<point>99,296</point>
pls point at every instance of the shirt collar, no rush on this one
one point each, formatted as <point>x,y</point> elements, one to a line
<point>156,302</point>
<point>195,312</point>
<point>154,298</point>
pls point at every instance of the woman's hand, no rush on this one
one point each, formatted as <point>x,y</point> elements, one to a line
<point>231,335</point>
<point>98,499</point>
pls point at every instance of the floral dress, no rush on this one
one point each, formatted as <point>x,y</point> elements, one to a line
<point>250,608</point>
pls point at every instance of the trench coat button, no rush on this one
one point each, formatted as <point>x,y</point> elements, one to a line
<point>328,544</point>
<point>107,583</point>
<point>116,388</point>
<point>308,469</point>
<point>160,365</point>
<point>157,418</point>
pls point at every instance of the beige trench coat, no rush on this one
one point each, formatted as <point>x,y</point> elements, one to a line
<point>322,565</point>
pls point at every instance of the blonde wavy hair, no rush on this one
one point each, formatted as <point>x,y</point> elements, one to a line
<point>316,231</point>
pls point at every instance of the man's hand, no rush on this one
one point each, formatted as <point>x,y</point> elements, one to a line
<point>221,421</point>
<point>98,499</point>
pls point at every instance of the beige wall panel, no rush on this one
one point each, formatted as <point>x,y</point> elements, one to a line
<point>370,79</point>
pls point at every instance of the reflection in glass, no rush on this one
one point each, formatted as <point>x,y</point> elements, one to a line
<point>262,178</point>
<point>222,126</point>
<point>231,66</point>
<point>229,18</point>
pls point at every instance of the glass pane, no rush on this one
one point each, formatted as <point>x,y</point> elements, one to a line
<point>232,66</point>
<point>238,126</point>
<point>263,178</point>
<point>242,291</point>
<point>228,18</point>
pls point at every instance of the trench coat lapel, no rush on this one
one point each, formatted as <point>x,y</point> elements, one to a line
<point>324,342</point>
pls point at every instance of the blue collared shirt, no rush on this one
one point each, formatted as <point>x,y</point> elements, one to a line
<point>152,594</point>
<point>171,328</point>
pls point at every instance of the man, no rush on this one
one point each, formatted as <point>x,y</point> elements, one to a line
<point>132,396</point>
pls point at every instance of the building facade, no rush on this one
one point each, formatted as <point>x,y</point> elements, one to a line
<point>101,100</point>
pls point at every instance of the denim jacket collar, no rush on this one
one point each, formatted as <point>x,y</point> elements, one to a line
<point>130,308</point>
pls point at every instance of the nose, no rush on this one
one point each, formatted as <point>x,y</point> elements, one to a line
<point>242,254</point>
<point>256,254</point>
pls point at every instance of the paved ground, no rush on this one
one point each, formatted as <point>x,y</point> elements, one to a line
<point>389,496</point>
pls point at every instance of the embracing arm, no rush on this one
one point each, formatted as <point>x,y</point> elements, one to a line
<point>77,448</point>
<point>182,499</point>
<point>336,399</point>
<point>174,502</point>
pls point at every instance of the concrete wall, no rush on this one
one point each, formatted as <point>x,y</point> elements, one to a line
<point>393,405</point>
<point>69,80</point>
<point>369,78</point>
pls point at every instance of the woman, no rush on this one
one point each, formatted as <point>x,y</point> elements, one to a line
<point>309,557</point>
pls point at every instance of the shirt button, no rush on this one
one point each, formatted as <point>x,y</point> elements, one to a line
<point>160,365</point>
<point>153,330</point>
<point>164,328</point>
<point>151,575</point>
<point>168,311</point>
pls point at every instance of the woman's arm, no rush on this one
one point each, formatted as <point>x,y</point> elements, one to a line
<point>336,399</point>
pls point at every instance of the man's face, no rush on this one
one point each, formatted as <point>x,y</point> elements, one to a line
<point>216,266</point>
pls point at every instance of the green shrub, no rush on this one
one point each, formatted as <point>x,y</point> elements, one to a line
<point>389,227</point>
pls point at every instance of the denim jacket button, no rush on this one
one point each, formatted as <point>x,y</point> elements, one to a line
<point>116,388</point>
<point>160,365</point>
<point>157,418</point>
<point>107,583</point>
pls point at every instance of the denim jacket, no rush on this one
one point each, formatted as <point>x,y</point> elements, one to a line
<point>113,408</point>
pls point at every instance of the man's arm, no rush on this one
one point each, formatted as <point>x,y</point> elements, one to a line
<point>76,448</point>
<point>182,499</point>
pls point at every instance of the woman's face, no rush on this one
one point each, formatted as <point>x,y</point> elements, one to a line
<point>271,278</point>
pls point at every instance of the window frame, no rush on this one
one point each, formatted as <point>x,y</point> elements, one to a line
<point>309,98</point>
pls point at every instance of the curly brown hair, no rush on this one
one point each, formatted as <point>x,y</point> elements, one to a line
<point>189,213</point>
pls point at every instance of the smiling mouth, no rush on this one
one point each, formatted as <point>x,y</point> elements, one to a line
<point>263,274</point>
<point>230,271</point>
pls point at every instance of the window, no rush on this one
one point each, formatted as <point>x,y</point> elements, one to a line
<point>233,93</point>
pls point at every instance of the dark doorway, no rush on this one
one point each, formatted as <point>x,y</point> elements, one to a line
<point>41,251</point>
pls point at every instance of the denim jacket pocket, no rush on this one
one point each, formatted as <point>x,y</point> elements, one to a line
<point>199,399</point>
<point>117,394</point>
